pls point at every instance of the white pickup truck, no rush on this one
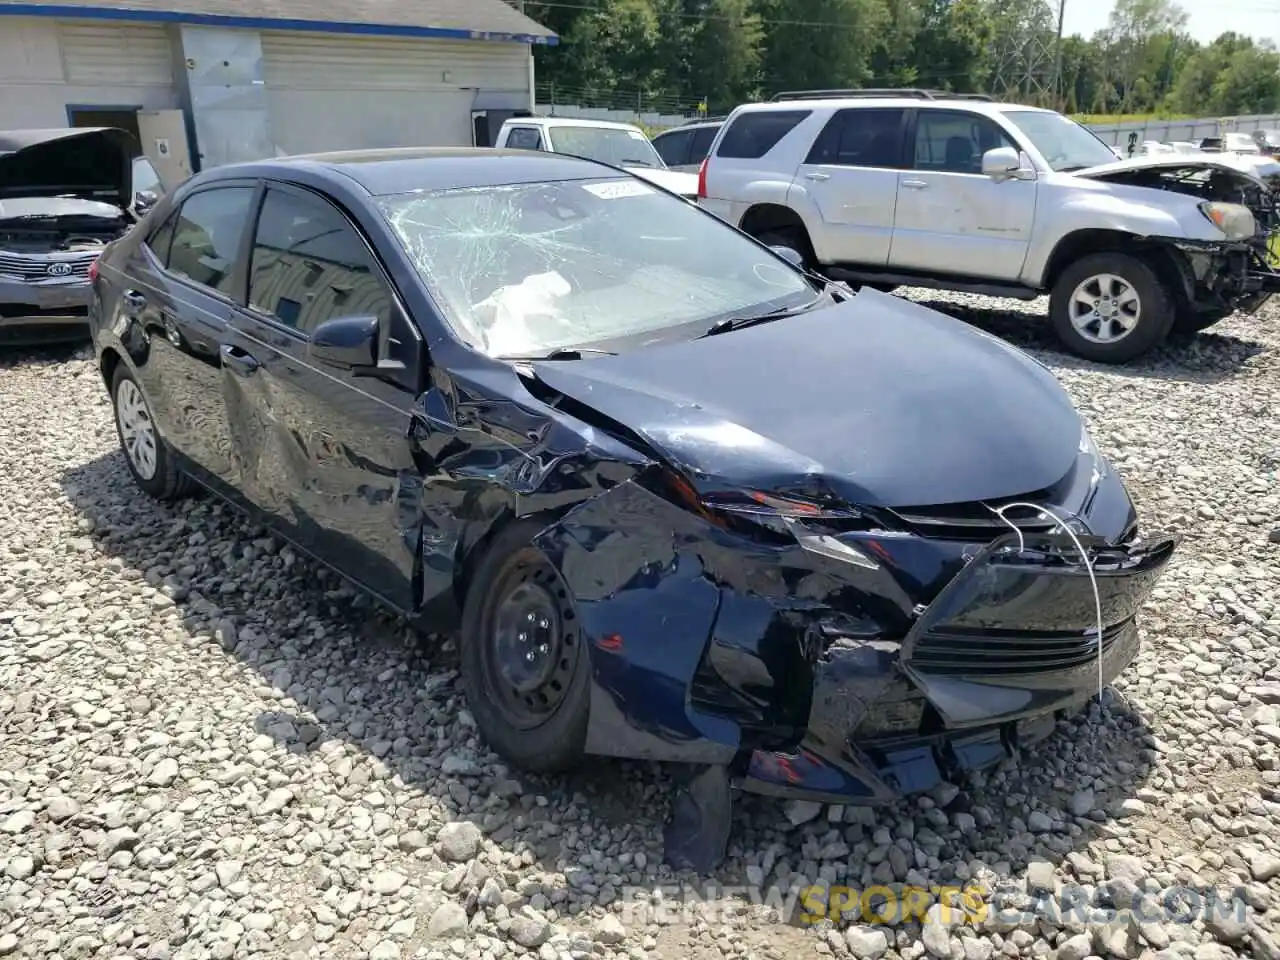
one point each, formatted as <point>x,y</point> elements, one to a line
<point>617,144</point>
<point>916,188</point>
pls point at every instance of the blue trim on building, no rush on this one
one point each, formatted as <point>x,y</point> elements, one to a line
<point>70,11</point>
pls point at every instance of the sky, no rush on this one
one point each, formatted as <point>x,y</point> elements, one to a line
<point>1206,18</point>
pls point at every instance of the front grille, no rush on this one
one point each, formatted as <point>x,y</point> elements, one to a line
<point>1008,652</point>
<point>978,520</point>
<point>37,268</point>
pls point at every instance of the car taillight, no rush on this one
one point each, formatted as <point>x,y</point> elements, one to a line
<point>702,178</point>
<point>93,271</point>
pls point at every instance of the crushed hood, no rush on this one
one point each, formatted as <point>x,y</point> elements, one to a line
<point>1259,168</point>
<point>90,164</point>
<point>684,184</point>
<point>878,401</point>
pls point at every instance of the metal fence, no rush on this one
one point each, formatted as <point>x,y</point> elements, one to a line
<point>1166,131</point>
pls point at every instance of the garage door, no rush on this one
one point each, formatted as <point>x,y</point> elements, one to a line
<point>336,92</point>
<point>116,54</point>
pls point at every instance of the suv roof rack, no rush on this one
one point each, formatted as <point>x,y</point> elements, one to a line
<point>916,92</point>
<point>692,120</point>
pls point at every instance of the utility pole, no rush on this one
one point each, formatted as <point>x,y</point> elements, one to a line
<point>1057,60</point>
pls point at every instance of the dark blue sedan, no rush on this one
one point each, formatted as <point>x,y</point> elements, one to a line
<point>684,501</point>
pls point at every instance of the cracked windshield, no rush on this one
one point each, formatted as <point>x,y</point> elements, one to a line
<point>621,148</point>
<point>526,269</point>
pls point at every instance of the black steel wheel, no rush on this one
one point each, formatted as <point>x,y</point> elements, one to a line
<point>524,659</point>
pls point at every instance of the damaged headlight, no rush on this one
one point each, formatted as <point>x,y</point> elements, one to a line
<point>1233,219</point>
<point>778,517</point>
<point>1088,448</point>
<point>785,513</point>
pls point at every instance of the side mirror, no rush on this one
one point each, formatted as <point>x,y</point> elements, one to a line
<point>143,201</point>
<point>350,343</point>
<point>790,255</point>
<point>1001,163</point>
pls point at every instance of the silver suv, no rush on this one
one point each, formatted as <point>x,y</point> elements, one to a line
<point>911,187</point>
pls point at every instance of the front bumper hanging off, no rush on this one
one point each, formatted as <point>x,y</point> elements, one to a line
<point>1009,645</point>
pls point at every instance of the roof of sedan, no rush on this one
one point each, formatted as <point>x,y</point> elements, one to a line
<point>406,169</point>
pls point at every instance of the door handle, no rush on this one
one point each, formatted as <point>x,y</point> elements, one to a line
<point>914,184</point>
<point>238,361</point>
<point>817,176</point>
<point>134,302</point>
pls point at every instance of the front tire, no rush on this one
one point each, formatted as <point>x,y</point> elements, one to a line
<point>1110,308</point>
<point>525,663</point>
<point>147,456</point>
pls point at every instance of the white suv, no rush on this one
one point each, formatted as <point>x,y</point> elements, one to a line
<point>890,188</point>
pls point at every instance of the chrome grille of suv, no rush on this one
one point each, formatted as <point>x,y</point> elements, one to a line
<point>35,269</point>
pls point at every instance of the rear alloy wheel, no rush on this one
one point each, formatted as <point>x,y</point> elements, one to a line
<point>145,452</point>
<point>525,666</point>
<point>1110,307</point>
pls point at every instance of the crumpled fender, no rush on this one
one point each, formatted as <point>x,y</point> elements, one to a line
<point>647,606</point>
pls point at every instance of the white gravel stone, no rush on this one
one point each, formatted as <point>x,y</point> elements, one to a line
<point>866,943</point>
<point>212,748</point>
<point>458,841</point>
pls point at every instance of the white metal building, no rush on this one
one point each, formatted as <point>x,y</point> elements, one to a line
<point>205,82</point>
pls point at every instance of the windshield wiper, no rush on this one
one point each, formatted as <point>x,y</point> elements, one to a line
<point>566,353</point>
<point>725,324</point>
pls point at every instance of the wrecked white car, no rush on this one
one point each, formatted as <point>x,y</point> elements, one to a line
<point>1214,277</point>
<point>957,192</point>
<point>64,195</point>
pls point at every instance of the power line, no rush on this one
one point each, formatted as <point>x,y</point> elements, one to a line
<point>592,8</point>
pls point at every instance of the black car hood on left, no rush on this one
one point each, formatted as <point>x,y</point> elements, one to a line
<point>876,401</point>
<point>94,163</point>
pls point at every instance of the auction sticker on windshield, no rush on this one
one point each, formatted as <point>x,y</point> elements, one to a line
<point>616,189</point>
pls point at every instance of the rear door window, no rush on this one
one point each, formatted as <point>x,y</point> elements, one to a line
<point>870,137</point>
<point>525,138</point>
<point>700,145</point>
<point>309,265</point>
<point>673,147</point>
<point>752,135</point>
<point>206,237</point>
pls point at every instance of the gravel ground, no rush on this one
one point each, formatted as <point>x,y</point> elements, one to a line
<point>211,748</point>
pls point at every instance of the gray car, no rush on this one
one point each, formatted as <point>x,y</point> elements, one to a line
<point>64,195</point>
<point>685,147</point>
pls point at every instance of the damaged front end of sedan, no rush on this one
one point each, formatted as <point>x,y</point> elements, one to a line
<point>787,641</point>
<point>1241,196</point>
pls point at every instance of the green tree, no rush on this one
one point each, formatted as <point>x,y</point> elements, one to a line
<point>820,43</point>
<point>726,50</point>
<point>951,49</point>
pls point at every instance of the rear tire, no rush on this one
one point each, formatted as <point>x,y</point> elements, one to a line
<point>1110,308</point>
<point>148,457</point>
<point>525,664</point>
